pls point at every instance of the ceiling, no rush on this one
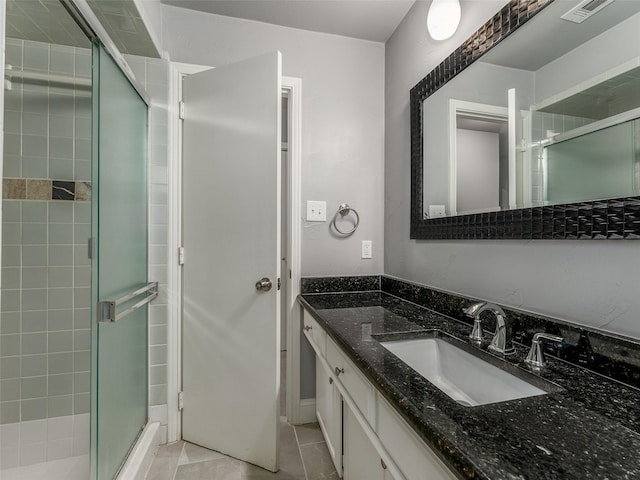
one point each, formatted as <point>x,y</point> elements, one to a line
<point>121,19</point>
<point>43,21</point>
<point>606,99</point>
<point>526,50</point>
<point>372,20</point>
<point>47,21</point>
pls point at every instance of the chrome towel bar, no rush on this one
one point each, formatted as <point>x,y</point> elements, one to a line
<point>107,310</point>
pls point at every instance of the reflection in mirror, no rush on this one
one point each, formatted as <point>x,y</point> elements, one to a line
<point>548,116</point>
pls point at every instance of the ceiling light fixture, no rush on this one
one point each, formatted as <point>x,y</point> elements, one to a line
<point>443,18</point>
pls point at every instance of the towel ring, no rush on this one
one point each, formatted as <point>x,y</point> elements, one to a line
<point>344,210</point>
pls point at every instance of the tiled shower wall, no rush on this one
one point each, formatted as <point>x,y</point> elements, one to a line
<point>543,122</point>
<point>45,325</point>
<point>45,269</point>
<point>45,328</point>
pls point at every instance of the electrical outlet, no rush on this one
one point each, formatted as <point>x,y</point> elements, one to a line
<point>367,247</point>
<point>437,211</point>
<point>316,211</point>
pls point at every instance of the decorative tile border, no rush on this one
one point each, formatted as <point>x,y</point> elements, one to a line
<point>603,219</point>
<point>39,189</point>
<point>61,190</point>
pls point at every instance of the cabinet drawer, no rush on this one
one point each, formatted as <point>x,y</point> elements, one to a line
<point>314,332</point>
<point>414,458</point>
<point>349,375</point>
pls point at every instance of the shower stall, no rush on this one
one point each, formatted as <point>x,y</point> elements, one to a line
<point>74,285</point>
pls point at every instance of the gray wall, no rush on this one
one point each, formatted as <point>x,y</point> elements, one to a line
<point>586,282</point>
<point>342,121</point>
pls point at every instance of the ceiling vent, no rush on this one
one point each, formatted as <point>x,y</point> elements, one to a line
<point>584,10</point>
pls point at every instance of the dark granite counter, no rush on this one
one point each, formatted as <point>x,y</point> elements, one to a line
<point>587,427</point>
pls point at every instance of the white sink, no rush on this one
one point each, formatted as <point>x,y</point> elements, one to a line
<point>465,378</point>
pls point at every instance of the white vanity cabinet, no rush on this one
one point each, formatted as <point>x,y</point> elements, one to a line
<point>414,457</point>
<point>367,438</point>
<point>361,459</point>
<point>329,413</point>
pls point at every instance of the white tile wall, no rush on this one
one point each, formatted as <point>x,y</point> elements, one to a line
<point>36,441</point>
<point>46,274</point>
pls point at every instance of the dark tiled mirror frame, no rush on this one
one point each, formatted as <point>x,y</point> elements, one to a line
<point>602,219</point>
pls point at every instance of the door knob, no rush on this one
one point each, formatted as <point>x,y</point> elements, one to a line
<point>263,285</point>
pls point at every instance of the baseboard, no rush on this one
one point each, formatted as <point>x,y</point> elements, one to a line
<point>142,454</point>
<point>307,410</point>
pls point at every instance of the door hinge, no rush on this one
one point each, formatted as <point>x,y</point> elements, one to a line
<point>181,110</point>
<point>181,256</point>
<point>91,247</point>
<point>180,400</point>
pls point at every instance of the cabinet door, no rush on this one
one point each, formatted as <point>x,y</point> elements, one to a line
<point>329,413</point>
<point>361,460</point>
<point>414,458</point>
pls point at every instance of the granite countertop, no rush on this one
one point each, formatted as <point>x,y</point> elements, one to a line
<point>587,427</point>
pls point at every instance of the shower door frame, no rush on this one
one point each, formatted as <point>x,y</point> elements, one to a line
<point>90,23</point>
<point>295,412</point>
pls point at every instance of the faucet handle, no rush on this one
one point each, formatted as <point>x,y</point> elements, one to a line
<point>535,358</point>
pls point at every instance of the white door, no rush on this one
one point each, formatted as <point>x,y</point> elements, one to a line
<point>231,236</point>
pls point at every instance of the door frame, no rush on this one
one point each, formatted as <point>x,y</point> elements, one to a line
<point>293,88</point>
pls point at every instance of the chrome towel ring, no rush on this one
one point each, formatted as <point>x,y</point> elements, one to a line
<point>343,211</point>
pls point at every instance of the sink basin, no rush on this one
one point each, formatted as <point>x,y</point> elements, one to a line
<point>464,377</point>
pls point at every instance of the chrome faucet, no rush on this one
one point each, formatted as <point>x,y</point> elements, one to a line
<point>501,342</point>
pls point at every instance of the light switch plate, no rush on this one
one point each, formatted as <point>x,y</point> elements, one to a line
<point>316,211</point>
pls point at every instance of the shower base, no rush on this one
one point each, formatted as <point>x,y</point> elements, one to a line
<point>72,468</point>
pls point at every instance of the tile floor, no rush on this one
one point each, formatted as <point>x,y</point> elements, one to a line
<point>303,456</point>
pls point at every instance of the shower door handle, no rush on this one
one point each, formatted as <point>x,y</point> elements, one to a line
<point>108,312</point>
<point>263,285</point>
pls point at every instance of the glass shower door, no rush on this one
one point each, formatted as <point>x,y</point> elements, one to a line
<point>120,289</point>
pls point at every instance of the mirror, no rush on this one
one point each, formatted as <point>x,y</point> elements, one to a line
<point>546,117</point>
